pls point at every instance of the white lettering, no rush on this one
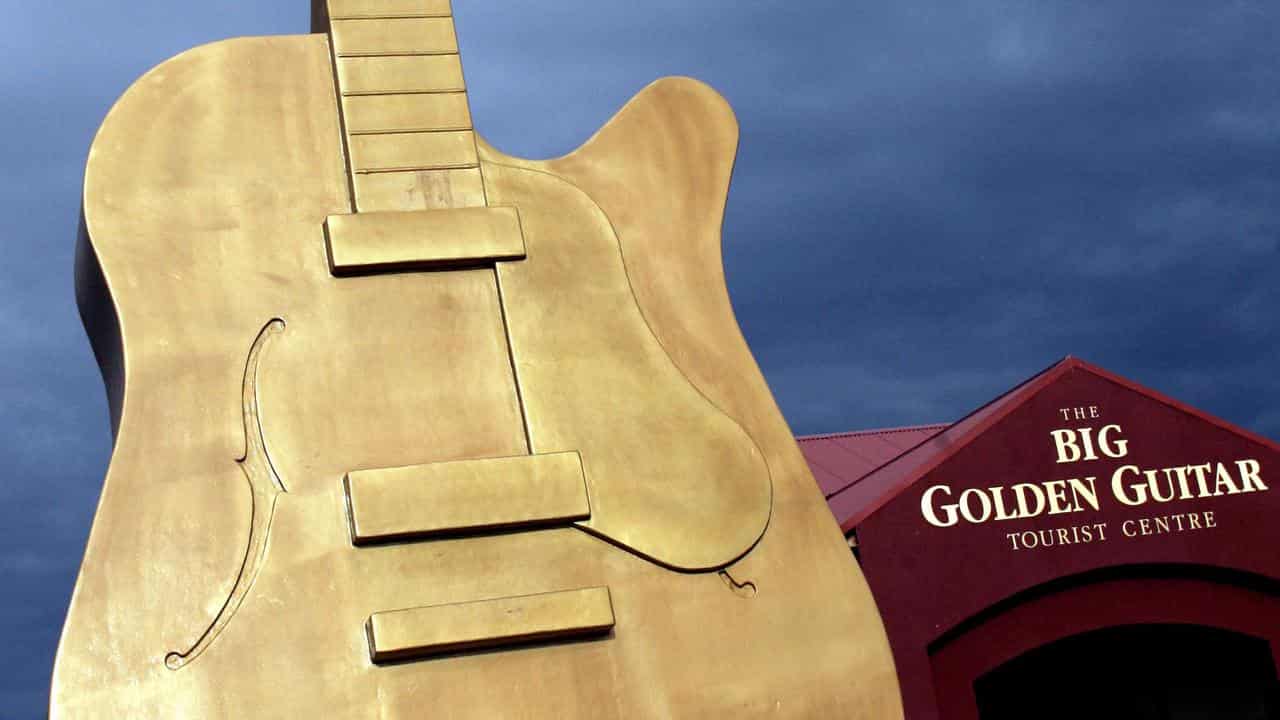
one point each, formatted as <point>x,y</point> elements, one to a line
<point>1117,448</point>
<point>1223,479</point>
<point>1089,492</point>
<point>1020,492</point>
<point>927,508</point>
<point>966,508</point>
<point>1118,488</point>
<point>1154,484</point>
<point>1057,493</point>
<point>997,497</point>
<point>1064,441</point>
<point>1250,475</point>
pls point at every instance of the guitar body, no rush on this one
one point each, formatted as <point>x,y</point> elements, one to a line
<point>251,384</point>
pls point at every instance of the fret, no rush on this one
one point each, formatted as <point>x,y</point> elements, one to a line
<point>412,151</point>
<point>419,112</point>
<point>419,190</point>
<point>403,74</point>
<point>394,36</point>
<point>402,96</point>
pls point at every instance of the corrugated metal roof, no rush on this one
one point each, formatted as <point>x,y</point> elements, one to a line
<point>840,459</point>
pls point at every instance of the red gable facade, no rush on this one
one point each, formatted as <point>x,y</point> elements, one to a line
<point>1076,502</point>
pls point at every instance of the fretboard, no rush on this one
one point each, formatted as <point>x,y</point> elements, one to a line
<point>405,117</point>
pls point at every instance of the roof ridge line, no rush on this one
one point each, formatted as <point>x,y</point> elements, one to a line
<point>1065,364</point>
<point>877,431</point>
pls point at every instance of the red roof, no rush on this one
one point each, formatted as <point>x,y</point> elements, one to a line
<point>839,460</point>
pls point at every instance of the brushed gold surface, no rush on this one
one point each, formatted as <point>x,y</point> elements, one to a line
<point>466,495</point>
<point>419,632</point>
<point>403,85</point>
<point>387,8</point>
<point>206,192</point>
<point>425,239</point>
<point>406,112</point>
<point>402,74</point>
<point>670,476</point>
<point>403,36</point>
<point>265,487</point>
<point>412,151</point>
<point>419,190</point>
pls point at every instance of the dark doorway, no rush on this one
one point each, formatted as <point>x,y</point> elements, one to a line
<point>1136,672</point>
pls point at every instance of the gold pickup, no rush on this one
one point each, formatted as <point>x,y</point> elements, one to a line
<point>466,496</point>
<point>419,632</point>
<point>422,240</point>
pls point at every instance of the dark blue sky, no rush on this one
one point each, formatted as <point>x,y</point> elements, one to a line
<point>934,199</point>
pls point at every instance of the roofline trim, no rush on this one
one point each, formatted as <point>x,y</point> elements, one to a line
<point>973,432</point>
<point>868,433</point>
<point>1028,388</point>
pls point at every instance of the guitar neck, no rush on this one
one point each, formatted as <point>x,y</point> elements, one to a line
<point>406,121</point>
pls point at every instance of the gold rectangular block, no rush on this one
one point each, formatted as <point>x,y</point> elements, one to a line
<point>373,242</point>
<point>419,190</point>
<point>425,631</point>
<point>403,36</point>
<point>401,74</point>
<point>365,114</point>
<point>466,496</point>
<point>340,9</point>
<point>413,151</point>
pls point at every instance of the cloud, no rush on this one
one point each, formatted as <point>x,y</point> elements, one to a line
<point>933,201</point>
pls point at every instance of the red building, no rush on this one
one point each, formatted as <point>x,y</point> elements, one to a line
<point>1081,546</point>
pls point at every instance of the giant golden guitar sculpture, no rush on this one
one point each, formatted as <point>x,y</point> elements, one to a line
<point>406,427</point>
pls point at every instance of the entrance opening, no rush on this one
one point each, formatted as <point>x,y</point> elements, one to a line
<point>1137,672</point>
